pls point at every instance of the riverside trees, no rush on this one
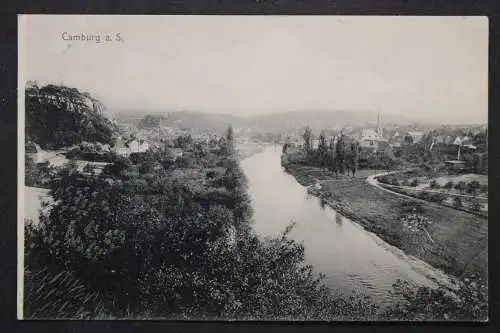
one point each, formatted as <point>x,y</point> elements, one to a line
<point>172,242</point>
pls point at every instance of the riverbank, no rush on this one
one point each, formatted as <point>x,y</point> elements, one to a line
<point>458,243</point>
<point>246,150</point>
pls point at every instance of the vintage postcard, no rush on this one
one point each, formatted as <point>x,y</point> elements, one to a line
<point>302,168</point>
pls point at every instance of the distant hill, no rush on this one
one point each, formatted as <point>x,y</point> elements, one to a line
<point>202,121</point>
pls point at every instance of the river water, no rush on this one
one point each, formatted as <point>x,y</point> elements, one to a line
<point>351,258</point>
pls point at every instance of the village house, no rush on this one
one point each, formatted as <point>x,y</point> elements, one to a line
<point>417,136</point>
<point>371,140</point>
<point>120,148</point>
<point>143,146</point>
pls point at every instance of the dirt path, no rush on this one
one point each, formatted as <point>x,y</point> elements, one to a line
<point>372,180</point>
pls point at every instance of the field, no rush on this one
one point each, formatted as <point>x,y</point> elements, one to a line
<point>459,239</point>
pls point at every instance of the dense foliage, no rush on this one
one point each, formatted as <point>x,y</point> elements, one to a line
<point>169,242</point>
<point>37,175</point>
<point>59,116</point>
<point>468,301</point>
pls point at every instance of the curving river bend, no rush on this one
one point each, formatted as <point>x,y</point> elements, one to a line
<point>351,258</point>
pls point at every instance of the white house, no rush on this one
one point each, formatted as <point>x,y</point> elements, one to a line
<point>369,139</point>
<point>417,136</point>
<point>143,147</point>
<point>134,146</point>
<point>120,148</point>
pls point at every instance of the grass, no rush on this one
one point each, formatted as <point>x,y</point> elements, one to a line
<point>58,295</point>
<point>460,238</point>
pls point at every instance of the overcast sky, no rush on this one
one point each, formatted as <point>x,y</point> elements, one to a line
<point>433,67</point>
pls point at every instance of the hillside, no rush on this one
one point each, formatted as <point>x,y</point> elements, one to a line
<point>59,116</point>
<point>270,122</point>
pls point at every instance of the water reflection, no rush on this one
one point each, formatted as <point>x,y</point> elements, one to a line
<point>351,258</point>
<point>338,219</point>
<point>322,203</point>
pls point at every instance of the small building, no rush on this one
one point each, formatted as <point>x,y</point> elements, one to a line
<point>417,136</point>
<point>134,146</point>
<point>457,141</point>
<point>143,146</point>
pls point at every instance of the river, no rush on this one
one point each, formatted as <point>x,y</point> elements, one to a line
<point>351,258</point>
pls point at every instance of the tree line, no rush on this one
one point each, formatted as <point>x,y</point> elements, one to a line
<point>338,155</point>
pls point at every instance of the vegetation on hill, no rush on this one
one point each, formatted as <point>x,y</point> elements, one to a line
<point>60,116</point>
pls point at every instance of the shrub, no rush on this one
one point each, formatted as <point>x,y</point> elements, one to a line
<point>384,179</point>
<point>449,185</point>
<point>476,206</point>
<point>423,195</point>
<point>406,182</point>
<point>415,182</point>
<point>457,202</point>
<point>461,186</point>
<point>438,197</point>
<point>395,182</point>
<point>171,256</point>
<point>468,302</point>
<point>434,184</point>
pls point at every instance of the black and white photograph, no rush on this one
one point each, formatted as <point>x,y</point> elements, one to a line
<point>253,168</point>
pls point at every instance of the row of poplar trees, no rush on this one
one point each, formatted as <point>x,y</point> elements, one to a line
<point>338,157</point>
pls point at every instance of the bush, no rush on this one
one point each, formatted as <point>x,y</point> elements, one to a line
<point>438,197</point>
<point>423,195</point>
<point>406,182</point>
<point>449,185</point>
<point>37,175</point>
<point>476,207</point>
<point>395,182</point>
<point>469,302</point>
<point>434,184</point>
<point>170,255</point>
<point>415,182</point>
<point>384,179</point>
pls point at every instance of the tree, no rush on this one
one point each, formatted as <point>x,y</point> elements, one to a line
<point>322,150</point>
<point>340,154</point>
<point>473,187</point>
<point>183,141</point>
<point>476,206</point>
<point>434,184</point>
<point>448,186</point>
<point>354,157</point>
<point>332,166</point>
<point>307,139</point>
<point>229,141</point>
<point>469,302</point>
<point>461,186</point>
<point>408,139</point>
<point>60,116</point>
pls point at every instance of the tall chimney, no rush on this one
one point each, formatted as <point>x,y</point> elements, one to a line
<point>378,123</point>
